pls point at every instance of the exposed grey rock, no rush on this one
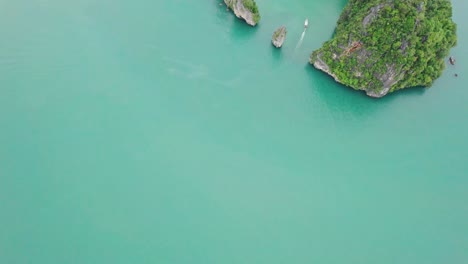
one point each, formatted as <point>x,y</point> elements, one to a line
<point>372,15</point>
<point>279,36</point>
<point>237,6</point>
<point>388,79</point>
<point>321,65</point>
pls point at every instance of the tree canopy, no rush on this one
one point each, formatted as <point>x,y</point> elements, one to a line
<point>407,38</point>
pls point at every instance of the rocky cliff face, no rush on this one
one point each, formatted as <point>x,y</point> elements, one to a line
<point>245,9</point>
<point>381,46</point>
<point>278,37</point>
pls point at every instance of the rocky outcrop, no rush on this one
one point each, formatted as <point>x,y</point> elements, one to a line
<point>245,9</point>
<point>374,11</point>
<point>279,36</point>
<point>381,46</point>
<point>321,65</point>
<point>452,60</point>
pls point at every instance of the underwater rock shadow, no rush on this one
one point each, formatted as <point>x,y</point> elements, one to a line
<point>343,102</point>
<point>276,53</point>
<point>239,29</point>
<point>411,91</point>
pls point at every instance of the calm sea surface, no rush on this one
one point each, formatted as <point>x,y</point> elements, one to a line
<point>170,132</point>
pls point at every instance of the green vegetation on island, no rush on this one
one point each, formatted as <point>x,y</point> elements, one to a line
<point>381,46</point>
<point>252,7</point>
<point>245,9</point>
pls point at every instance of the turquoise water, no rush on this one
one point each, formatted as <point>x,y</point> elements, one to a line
<point>170,132</point>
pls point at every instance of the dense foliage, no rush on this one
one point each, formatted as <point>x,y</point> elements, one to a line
<point>404,39</point>
<point>252,7</point>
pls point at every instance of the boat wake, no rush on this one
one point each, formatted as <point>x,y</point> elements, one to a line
<point>301,39</point>
<point>306,25</point>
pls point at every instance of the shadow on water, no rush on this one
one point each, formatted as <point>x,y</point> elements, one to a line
<point>343,3</point>
<point>342,102</point>
<point>276,53</point>
<point>409,92</point>
<point>341,99</point>
<point>239,29</point>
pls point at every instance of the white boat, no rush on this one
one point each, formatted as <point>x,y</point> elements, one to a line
<point>306,23</point>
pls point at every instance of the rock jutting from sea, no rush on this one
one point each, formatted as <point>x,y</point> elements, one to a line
<point>245,9</point>
<point>381,46</point>
<point>279,36</point>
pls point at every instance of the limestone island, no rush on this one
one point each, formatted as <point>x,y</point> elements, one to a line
<point>279,36</point>
<point>245,9</point>
<point>381,46</point>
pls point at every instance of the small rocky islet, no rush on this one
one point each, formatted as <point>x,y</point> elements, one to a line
<point>279,36</point>
<point>379,46</point>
